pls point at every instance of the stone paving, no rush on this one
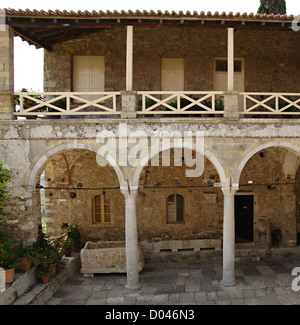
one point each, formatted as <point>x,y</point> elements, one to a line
<point>267,282</point>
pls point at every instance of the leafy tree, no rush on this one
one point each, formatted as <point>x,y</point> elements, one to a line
<point>272,7</point>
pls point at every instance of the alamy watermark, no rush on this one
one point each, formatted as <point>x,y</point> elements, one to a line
<point>296,281</point>
<point>126,148</point>
<point>295,22</point>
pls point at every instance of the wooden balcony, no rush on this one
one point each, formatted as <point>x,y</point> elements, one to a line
<point>157,103</point>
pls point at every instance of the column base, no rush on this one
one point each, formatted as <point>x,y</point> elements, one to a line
<point>231,282</point>
<point>133,287</point>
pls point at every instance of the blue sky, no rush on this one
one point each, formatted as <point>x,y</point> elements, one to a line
<point>29,61</point>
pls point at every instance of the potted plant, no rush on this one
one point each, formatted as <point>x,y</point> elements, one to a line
<point>67,246</point>
<point>219,106</point>
<point>74,236</point>
<point>276,235</point>
<point>61,103</point>
<point>27,103</point>
<point>47,255</point>
<point>24,257</point>
<point>44,273</point>
<point>8,259</point>
<point>148,102</point>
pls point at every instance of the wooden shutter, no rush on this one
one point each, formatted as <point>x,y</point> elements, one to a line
<point>172,74</point>
<point>88,74</point>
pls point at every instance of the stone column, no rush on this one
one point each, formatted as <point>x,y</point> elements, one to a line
<point>131,238</point>
<point>232,104</point>
<point>6,72</point>
<point>228,235</point>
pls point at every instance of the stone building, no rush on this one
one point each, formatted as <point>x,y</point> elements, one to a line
<point>163,129</point>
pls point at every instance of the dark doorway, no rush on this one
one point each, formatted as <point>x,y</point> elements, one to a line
<point>243,211</point>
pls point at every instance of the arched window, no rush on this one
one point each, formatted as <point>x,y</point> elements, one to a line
<point>101,209</point>
<point>175,209</point>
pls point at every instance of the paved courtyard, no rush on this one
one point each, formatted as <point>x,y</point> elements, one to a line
<point>267,282</point>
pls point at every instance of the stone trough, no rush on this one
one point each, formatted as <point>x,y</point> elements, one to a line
<point>106,257</point>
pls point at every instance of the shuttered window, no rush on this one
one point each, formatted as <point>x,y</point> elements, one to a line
<point>172,74</point>
<point>221,78</point>
<point>175,209</point>
<point>101,209</point>
<point>88,74</point>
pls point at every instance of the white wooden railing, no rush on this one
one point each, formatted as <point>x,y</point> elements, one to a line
<point>163,103</point>
<point>66,103</point>
<point>270,104</point>
<point>180,102</point>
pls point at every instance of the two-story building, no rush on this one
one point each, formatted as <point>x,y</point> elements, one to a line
<point>155,128</point>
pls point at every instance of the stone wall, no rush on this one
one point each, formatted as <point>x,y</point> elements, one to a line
<point>268,67</point>
<point>67,154</point>
<point>203,205</point>
<point>69,205</point>
<point>6,72</point>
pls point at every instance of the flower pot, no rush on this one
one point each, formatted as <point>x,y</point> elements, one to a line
<point>25,263</point>
<point>45,278</point>
<point>9,275</point>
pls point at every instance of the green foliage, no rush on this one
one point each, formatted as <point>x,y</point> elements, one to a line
<point>276,234</point>
<point>8,255</point>
<point>46,253</point>
<point>74,235</point>
<point>28,102</point>
<point>5,178</point>
<point>272,7</point>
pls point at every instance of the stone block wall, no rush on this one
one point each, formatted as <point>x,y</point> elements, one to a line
<point>6,73</point>
<point>275,204</point>
<point>203,205</point>
<point>67,154</point>
<point>268,67</point>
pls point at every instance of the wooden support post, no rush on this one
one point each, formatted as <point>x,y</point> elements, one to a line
<point>230,59</point>
<point>129,59</point>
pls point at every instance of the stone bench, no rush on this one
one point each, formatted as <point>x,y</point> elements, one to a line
<point>187,245</point>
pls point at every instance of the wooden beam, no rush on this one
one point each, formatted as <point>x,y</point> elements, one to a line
<point>33,41</point>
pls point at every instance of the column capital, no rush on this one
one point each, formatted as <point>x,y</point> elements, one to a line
<point>230,189</point>
<point>129,191</point>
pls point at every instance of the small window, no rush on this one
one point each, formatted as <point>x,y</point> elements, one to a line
<point>175,208</point>
<point>101,209</point>
<point>221,65</point>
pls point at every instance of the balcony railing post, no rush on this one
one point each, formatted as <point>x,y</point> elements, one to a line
<point>129,101</point>
<point>232,104</point>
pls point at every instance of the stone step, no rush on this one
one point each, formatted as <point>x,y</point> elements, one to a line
<point>40,293</point>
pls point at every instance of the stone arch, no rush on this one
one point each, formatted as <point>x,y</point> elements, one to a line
<point>46,157</point>
<point>288,145</point>
<point>142,162</point>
